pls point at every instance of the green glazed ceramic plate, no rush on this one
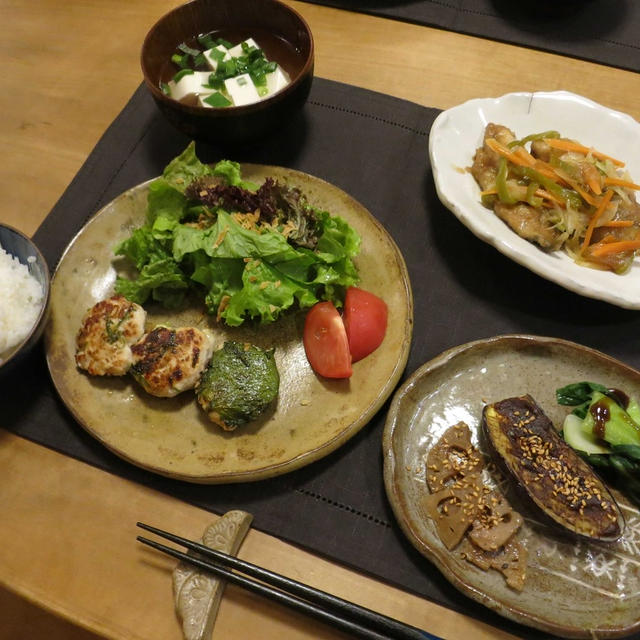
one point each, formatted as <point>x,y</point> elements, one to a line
<point>173,437</point>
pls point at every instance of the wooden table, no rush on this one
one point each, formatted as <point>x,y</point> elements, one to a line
<point>69,564</point>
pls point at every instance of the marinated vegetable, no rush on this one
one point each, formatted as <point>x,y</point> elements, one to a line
<point>470,518</point>
<point>239,384</point>
<point>604,428</point>
<point>558,193</point>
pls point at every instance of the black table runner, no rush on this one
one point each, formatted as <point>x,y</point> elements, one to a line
<point>603,31</point>
<point>374,147</point>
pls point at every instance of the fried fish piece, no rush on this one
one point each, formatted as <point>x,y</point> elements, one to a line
<point>109,328</point>
<point>169,361</point>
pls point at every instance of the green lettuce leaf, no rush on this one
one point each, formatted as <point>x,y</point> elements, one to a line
<point>185,168</point>
<point>240,273</point>
<point>230,171</point>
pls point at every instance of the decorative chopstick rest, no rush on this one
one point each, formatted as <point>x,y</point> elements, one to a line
<point>197,594</point>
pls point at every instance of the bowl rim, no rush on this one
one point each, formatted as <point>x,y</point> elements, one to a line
<point>46,286</point>
<point>160,97</point>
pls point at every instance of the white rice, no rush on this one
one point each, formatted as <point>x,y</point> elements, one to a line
<point>21,299</point>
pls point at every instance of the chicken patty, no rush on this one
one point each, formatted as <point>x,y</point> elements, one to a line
<point>109,328</point>
<point>168,361</point>
<point>239,384</point>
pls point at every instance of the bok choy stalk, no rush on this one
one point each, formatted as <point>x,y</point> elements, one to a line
<point>604,428</point>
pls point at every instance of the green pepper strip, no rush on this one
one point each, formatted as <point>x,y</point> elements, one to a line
<point>534,201</point>
<point>501,183</point>
<point>566,194</point>
<point>532,137</point>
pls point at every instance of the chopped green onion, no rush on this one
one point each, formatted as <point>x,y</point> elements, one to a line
<point>217,55</point>
<point>215,82</point>
<point>206,40</point>
<point>200,60</point>
<point>182,73</point>
<point>259,77</point>
<point>190,51</point>
<point>181,60</point>
<point>217,100</point>
<point>246,48</point>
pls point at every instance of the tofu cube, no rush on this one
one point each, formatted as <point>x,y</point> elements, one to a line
<point>236,52</point>
<point>276,80</point>
<point>242,90</point>
<point>190,84</point>
<point>212,58</point>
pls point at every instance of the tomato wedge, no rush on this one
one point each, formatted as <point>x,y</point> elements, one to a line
<point>365,321</point>
<point>325,342</point>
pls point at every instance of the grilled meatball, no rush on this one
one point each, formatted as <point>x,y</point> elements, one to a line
<point>168,361</point>
<point>109,328</point>
<point>239,385</point>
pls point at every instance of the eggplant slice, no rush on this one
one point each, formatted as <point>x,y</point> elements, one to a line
<point>558,481</point>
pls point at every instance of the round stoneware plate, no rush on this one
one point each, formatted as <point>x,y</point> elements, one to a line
<point>457,133</point>
<point>174,437</point>
<point>575,589</point>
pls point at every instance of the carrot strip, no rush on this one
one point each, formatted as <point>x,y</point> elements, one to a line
<point>521,152</point>
<point>598,251</point>
<point>546,170</point>
<point>594,185</point>
<point>494,145</point>
<point>592,178</point>
<point>489,192</point>
<point>569,145</point>
<point>619,182</point>
<point>577,188</point>
<point>618,223</point>
<point>594,218</point>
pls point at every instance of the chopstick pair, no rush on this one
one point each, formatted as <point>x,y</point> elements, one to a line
<point>345,615</point>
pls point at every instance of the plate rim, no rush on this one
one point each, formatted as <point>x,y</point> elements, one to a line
<point>538,262</point>
<point>397,500</point>
<point>306,457</point>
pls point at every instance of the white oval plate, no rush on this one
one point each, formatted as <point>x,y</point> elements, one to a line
<point>458,132</point>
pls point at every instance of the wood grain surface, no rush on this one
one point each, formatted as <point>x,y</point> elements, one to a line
<point>69,564</point>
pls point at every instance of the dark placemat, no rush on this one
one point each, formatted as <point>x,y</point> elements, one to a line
<point>375,148</point>
<point>604,31</point>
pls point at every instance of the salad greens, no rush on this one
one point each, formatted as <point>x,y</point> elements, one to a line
<point>604,428</point>
<point>249,252</point>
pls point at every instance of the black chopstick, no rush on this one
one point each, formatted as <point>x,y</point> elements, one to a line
<point>348,616</point>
